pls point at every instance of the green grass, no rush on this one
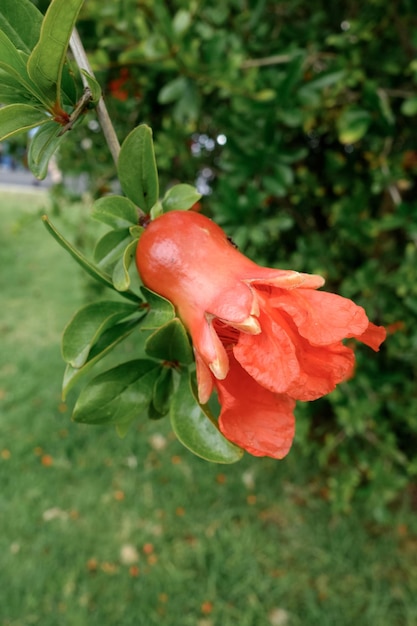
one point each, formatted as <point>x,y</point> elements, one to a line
<point>99,531</point>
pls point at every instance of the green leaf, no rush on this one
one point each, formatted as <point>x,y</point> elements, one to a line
<point>111,247</point>
<point>409,107</point>
<point>105,344</point>
<point>11,61</point>
<point>352,125</point>
<point>47,58</point>
<point>162,391</point>
<point>91,269</point>
<point>87,325</point>
<point>173,90</point>
<point>118,395</point>
<point>116,211</point>
<point>21,21</point>
<point>42,147</point>
<point>196,430</point>
<point>137,168</point>
<point>160,310</point>
<point>18,118</point>
<point>94,87</point>
<point>123,428</point>
<point>12,91</point>
<point>170,343</point>
<point>120,277</point>
<point>180,198</point>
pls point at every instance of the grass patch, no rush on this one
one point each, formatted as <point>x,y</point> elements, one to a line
<point>137,532</point>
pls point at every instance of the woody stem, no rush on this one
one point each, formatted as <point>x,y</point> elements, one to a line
<point>107,127</point>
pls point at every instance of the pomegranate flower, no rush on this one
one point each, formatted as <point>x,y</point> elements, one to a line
<point>263,338</point>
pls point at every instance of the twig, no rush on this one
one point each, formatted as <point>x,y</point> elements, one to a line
<point>109,133</point>
<point>276,59</point>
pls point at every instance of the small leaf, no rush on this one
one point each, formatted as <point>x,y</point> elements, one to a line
<point>118,395</point>
<point>196,431</point>
<point>352,125</point>
<point>121,278</point>
<point>91,269</point>
<point>160,310</point>
<point>116,211</point>
<point>180,198</point>
<point>84,329</point>
<point>162,391</point>
<point>105,344</point>
<point>110,248</point>
<point>18,118</point>
<point>47,58</point>
<point>170,343</point>
<point>94,87</point>
<point>136,231</point>
<point>42,147</point>
<point>173,90</point>
<point>137,168</point>
<point>409,107</point>
<point>123,428</point>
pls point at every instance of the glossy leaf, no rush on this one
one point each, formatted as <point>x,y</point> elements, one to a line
<point>121,278</point>
<point>162,391</point>
<point>196,431</point>
<point>137,168</point>
<point>87,325</point>
<point>118,395</point>
<point>170,343</point>
<point>42,147</point>
<point>111,247</point>
<point>47,58</point>
<point>105,344</point>
<point>180,198</point>
<point>89,267</point>
<point>21,21</point>
<point>160,310</point>
<point>116,211</point>
<point>18,118</point>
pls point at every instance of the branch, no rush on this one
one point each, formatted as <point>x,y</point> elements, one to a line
<point>109,133</point>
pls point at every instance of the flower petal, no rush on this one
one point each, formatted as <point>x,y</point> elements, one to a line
<point>322,368</point>
<point>321,317</point>
<point>373,336</point>
<point>254,418</point>
<point>270,357</point>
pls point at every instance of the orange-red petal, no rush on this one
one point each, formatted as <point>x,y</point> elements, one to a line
<point>257,420</point>
<point>270,357</point>
<point>321,317</point>
<point>373,336</point>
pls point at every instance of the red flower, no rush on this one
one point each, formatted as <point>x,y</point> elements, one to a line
<point>263,338</point>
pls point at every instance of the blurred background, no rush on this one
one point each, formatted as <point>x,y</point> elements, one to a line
<point>297,121</point>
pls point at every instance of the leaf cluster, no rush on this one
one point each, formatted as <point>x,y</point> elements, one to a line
<point>160,383</point>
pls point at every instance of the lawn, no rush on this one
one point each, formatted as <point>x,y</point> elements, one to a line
<point>101,531</point>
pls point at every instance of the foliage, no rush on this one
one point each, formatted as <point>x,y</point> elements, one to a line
<point>296,121</point>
